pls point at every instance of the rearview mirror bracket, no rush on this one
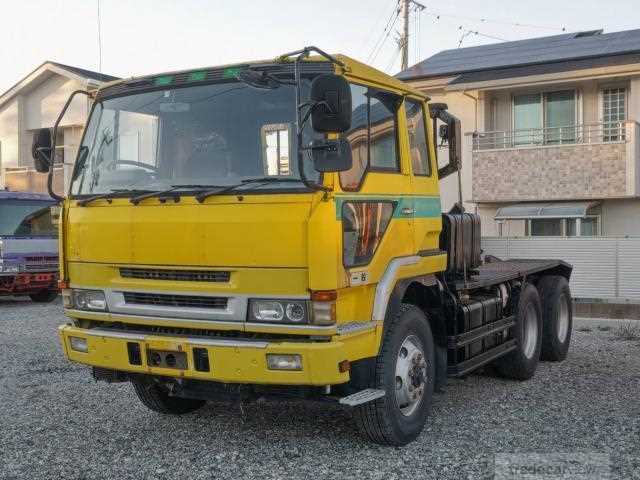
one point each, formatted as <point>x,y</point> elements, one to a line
<point>41,147</point>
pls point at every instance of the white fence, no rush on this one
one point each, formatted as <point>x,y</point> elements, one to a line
<point>606,268</point>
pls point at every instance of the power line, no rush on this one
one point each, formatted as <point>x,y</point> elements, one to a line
<point>394,57</point>
<point>496,21</point>
<point>385,34</point>
<point>369,37</point>
<point>466,33</point>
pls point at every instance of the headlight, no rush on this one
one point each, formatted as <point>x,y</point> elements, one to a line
<point>278,311</point>
<point>8,268</point>
<point>88,300</point>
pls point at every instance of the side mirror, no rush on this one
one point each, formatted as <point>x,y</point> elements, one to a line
<point>450,133</point>
<point>331,104</point>
<point>331,155</point>
<point>41,150</point>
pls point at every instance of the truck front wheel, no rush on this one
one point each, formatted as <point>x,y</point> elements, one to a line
<point>405,370</point>
<point>521,363</point>
<point>44,296</point>
<point>156,398</point>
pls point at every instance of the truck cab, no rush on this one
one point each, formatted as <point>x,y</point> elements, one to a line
<point>274,228</point>
<point>28,246</point>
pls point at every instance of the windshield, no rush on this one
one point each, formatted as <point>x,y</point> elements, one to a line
<point>210,135</point>
<point>26,218</point>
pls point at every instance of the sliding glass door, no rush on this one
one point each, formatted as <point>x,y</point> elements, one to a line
<point>544,118</point>
<point>560,116</point>
<point>527,119</point>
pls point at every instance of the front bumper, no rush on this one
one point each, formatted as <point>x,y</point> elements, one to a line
<point>23,283</point>
<point>230,360</point>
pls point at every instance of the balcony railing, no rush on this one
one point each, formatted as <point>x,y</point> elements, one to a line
<point>588,133</point>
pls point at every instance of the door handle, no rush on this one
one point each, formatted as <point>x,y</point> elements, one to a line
<point>408,211</point>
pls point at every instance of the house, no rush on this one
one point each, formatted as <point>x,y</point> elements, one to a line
<point>552,139</point>
<point>35,102</point>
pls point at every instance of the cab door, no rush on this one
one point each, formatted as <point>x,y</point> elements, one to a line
<point>427,220</point>
<point>374,201</point>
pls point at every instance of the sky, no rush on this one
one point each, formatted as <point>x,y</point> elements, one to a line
<point>152,36</point>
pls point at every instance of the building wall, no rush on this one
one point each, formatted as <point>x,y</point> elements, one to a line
<point>38,106</point>
<point>464,108</point>
<point>621,217</point>
<point>9,138</point>
<point>499,102</point>
<point>550,173</point>
<point>43,104</point>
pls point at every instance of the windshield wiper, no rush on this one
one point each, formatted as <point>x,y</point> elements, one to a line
<point>109,195</point>
<point>160,193</point>
<point>201,197</point>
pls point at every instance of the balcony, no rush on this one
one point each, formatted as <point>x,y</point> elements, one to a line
<point>561,163</point>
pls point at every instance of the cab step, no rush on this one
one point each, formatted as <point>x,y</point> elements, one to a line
<point>363,396</point>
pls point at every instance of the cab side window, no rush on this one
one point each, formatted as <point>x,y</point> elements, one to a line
<point>418,145</point>
<point>373,135</point>
<point>358,138</point>
<point>382,132</point>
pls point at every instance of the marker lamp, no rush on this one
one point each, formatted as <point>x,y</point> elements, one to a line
<point>93,300</point>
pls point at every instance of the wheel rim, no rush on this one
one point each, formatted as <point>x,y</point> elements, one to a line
<point>411,375</point>
<point>563,318</point>
<point>530,331</point>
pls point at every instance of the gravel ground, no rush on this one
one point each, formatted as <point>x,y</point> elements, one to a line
<point>56,422</point>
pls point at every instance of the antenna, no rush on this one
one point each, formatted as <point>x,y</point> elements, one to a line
<point>99,40</point>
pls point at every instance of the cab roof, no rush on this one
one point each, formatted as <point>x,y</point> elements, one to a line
<point>354,70</point>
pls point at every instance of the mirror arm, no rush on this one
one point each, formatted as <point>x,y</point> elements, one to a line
<point>54,135</point>
<point>300,124</point>
<point>305,53</point>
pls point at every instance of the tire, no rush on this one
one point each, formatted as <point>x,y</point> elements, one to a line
<point>156,398</point>
<point>44,296</point>
<point>521,363</point>
<point>557,317</point>
<point>406,361</point>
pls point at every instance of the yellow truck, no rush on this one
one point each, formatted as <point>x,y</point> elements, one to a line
<point>274,229</point>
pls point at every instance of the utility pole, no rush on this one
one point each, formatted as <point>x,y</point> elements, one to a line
<point>403,42</point>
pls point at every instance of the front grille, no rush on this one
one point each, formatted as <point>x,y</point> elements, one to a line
<point>168,300</point>
<point>40,267</point>
<point>42,259</point>
<point>176,275</point>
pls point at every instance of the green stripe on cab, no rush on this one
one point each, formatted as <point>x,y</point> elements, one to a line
<point>407,206</point>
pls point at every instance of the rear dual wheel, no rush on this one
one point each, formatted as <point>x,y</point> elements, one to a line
<point>521,363</point>
<point>557,314</point>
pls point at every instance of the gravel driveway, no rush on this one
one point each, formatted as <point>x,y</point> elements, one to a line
<point>56,422</point>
